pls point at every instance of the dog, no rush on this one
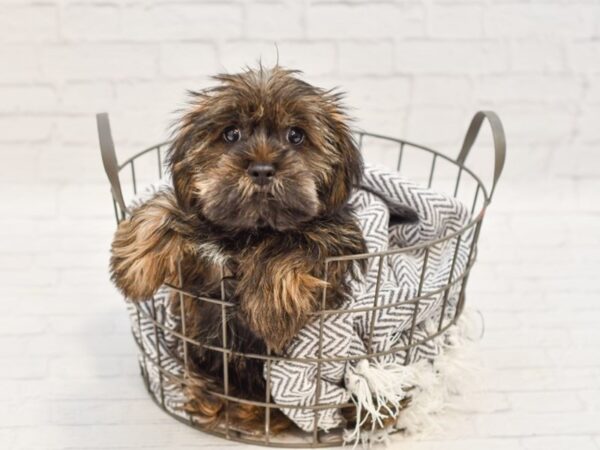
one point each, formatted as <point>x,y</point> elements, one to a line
<point>263,165</point>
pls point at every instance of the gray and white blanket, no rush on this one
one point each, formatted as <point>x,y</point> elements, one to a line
<point>384,194</point>
<point>294,383</point>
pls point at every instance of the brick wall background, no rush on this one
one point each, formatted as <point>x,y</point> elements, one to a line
<point>413,68</point>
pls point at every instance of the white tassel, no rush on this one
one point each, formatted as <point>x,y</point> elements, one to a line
<point>377,391</point>
<point>438,382</point>
<point>458,362</point>
<point>358,386</point>
<point>426,399</point>
<point>387,383</point>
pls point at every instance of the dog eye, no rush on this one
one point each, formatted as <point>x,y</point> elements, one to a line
<point>295,135</point>
<point>232,134</point>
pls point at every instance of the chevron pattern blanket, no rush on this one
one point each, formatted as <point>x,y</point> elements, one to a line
<point>371,382</point>
<point>383,195</point>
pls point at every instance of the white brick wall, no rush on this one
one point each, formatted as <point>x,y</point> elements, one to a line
<point>413,68</point>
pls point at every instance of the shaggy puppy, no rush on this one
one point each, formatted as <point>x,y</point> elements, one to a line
<point>262,166</point>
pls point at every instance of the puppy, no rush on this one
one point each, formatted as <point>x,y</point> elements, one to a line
<point>262,166</point>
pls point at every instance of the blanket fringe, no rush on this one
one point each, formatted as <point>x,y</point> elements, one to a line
<point>378,389</point>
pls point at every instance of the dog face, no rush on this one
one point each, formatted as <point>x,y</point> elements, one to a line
<point>264,149</point>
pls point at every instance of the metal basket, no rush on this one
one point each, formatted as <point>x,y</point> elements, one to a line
<point>479,196</point>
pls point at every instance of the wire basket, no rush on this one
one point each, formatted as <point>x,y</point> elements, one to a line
<point>147,166</point>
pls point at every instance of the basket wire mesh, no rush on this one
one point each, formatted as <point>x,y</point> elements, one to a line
<point>479,199</point>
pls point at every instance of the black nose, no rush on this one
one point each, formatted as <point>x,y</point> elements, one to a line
<point>261,173</point>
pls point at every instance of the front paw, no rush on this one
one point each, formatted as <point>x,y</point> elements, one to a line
<point>138,278</point>
<point>277,302</point>
<point>144,256</point>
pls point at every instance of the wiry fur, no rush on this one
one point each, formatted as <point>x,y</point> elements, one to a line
<point>270,241</point>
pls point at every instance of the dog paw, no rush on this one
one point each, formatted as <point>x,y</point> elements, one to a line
<point>145,249</point>
<point>278,297</point>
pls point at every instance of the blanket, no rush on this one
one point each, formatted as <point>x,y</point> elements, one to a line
<point>383,195</point>
<point>368,382</point>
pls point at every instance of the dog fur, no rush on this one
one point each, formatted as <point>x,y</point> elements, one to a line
<point>263,246</point>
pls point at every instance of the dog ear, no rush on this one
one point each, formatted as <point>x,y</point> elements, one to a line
<point>188,132</point>
<point>348,169</point>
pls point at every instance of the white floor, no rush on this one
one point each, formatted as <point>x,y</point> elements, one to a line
<point>69,377</point>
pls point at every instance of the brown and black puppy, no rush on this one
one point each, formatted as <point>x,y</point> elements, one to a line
<point>262,166</point>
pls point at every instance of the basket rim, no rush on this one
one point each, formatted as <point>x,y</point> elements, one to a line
<point>475,218</point>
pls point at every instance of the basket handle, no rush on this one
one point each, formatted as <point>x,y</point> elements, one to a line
<point>109,158</point>
<point>498,137</point>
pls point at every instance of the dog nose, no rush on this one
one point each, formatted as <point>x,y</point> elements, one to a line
<point>261,173</point>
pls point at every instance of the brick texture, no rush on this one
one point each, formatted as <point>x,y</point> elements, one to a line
<point>414,68</point>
